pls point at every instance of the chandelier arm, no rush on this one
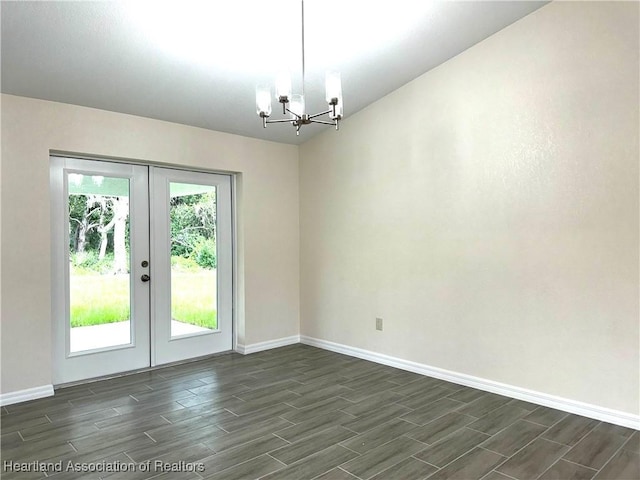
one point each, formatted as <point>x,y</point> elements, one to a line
<point>283,120</point>
<point>319,114</point>
<point>294,113</point>
<point>323,121</point>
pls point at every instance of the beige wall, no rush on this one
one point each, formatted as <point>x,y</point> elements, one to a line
<point>488,212</point>
<point>268,217</point>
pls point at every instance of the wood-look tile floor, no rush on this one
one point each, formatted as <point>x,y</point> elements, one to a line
<point>299,413</point>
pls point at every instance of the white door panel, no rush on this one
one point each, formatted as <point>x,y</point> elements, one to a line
<point>79,352</point>
<point>179,292</point>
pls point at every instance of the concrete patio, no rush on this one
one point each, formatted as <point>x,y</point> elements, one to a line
<point>118,333</point>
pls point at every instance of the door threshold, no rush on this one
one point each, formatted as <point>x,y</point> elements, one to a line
<point>87,381</point>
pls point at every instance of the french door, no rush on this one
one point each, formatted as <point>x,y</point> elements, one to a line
<point>141,269</point>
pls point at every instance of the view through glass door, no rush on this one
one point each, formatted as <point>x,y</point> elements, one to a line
<point>140,277</point>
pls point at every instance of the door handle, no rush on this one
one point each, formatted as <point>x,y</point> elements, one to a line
<point>145,278</point>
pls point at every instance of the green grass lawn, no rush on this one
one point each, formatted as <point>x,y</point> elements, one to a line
<point>193,298</point>
<point>98,299</point>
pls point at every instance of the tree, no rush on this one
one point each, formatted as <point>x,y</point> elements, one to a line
<point>86,221</point>
<point>94,217</point>
<point>106,203</point>
<point>193,220</point>
<point>120,215</point>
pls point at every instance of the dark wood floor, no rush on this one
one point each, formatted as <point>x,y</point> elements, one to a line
<point>300,413</point>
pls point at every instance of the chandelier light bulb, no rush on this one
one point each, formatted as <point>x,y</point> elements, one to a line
<point>333,86</point>
<point>263,100</point>
<point>283,85</point>
<point>297,106</point>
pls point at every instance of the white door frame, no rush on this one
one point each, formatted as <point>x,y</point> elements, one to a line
<point>60,286</point>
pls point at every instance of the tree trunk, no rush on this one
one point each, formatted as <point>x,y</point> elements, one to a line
<point>103,244</point>
<point>74,240</point>
<point>82,234</point>
<point>102,228</point>
<point>120,214</point>
<point>84,226</point>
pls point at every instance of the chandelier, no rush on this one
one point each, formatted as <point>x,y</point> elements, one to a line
<point>294,104</point>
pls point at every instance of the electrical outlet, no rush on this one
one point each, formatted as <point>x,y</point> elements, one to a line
<point>378,324</point>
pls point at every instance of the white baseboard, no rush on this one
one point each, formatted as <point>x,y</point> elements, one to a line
<point>25,395</point>
<point>604,414</point>
<point>268,345</point>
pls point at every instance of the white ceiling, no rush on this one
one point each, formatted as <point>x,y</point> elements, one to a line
<point>198,62</point>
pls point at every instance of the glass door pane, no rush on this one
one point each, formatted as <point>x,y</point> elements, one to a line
<point>99,283</point>
<point>192,216</point>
